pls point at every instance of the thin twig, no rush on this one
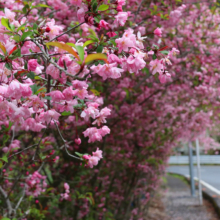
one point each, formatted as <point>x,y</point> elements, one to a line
<point>10,209</point>
<point>65,143</point>
<point>67,31</point>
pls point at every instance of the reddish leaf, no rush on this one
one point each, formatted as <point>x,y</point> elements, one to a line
<point>15,48</point>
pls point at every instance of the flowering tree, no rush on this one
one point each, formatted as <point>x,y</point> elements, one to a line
<point>89,84</point>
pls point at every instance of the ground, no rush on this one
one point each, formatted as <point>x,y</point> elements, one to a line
<point>175,203</point>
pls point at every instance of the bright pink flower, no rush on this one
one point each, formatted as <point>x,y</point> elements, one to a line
<point>104,24</point>
<point>111,34</point>
<point>158,32</point>
<point>119,8</point>
<point>32,64</point>
<point>78,141</point>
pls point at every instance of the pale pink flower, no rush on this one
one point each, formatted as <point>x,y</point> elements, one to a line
<point>124,43</point>
<point>93,161</point>
<point>98,153</point>
<point>156,66</point>
<point>100,118</point>
<point>54,29</point>
<point>56,95</point>
<point>163,76</point>
<point>121,18</point>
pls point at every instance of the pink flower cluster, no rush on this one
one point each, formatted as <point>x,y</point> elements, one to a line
<point>67,191</point>
<point>96,134</point>
<point>94,159</point>
<point>35,184</point>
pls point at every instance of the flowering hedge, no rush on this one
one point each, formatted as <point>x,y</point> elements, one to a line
<point>94,94</point>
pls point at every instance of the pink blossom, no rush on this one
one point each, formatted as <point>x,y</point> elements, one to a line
<point>124,43</point>
<point>111,34</point>
<point>95,134</point>
<point>89,112</point>
<point>108,71</point>
<point>98,153</point>
<point>32,64</point>
<point>56,95</point>
<point>66,186</point>
<point>76,2</point>
<point>54,29</point>
<point>93,161</point>
<point>163,76</point>
<point>121,18</point>
<point>78,141</point>
<point>155,66</point>
<point>100,118</point>
<point>158,32</point>
<point>104,24</point>
<point>68,93</point>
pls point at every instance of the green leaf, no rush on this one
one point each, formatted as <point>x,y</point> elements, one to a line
<point>35,26</point>
<point>8,66</point>
<point>103,7</point>
<point>31,75</point>
<point>78,154</point>
<point>66,113</point>
<point>12,27</point>
<point>154,57</point>
<point>96,56</point>
<point>94,6</point>
<point>49,175</point>
<point>80,51</point>
<point>1,164</point>
<point>165,52</point>
<point>88,42</point>
<point>5,23</point>
<point>16,38</point>
<point>41,5</point>
<point>4,158</point>
<point>26,34</point>
<point>48,98</point>
<point>99,49</point>
<point>34,88</point>
<point>21,27</point>
<point>65,47</point>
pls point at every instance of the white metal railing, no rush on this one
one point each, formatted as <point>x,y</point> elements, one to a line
<point>204,159</point>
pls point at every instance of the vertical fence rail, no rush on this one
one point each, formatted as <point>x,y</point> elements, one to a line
<point>199,172</point>
<point>192,183</point>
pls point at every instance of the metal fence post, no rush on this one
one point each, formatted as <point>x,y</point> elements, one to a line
<point>198,172</point>
<point>192,183</point>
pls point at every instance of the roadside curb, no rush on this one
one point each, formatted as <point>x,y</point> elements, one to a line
<point>209,193</point>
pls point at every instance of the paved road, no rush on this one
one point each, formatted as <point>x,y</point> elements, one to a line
<point>209,174</point>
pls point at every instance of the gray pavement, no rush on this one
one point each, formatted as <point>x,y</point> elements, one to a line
<point>209,174</point>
